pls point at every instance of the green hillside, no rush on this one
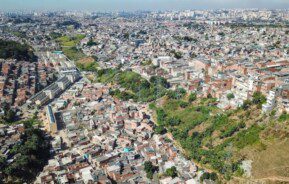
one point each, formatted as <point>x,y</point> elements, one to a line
<point>220,141</point>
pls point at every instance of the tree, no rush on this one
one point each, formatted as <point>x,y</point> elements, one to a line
<point>148,166</point>
<point>150,169</point>
<point>221,34</point>
<point>177,55</point>
<point>161,115</point>
<point>172,172</point>
<point>150,175</point>
<point>209,176</point>
<point>230,96</point>
<point>173,121</point>
<point>91,43</point>
<point>205,176</point>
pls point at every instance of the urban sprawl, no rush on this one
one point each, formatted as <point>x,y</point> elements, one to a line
<point>100,131</point>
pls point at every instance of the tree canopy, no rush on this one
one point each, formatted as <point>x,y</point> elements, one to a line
<point>30,155</point>
<point>15,50</point>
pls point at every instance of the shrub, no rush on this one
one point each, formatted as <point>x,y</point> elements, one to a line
<point>172,172</point>
<point>192,97</point>
<point>183,104</point>
<point>177,94</point>
<point>209,95</point>
<point>152,106</point>
<point>273,113</point>
<point>283,117</point>
<point>160,130</point>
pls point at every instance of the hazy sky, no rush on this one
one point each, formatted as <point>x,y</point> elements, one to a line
<point>131,5</point>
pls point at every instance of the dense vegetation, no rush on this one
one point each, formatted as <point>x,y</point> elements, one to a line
<point>15,50</point>
<point>69,46</point>
<point>135,87</point>
<point>30,155</point>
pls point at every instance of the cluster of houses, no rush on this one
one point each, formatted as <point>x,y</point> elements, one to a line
<point>214,58</point>
<point>220,79</point>
<point>102,140</point>
<point>20,80</point>
<point>209,59</point>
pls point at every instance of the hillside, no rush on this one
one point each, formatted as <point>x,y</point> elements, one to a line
<point>224,141</point>
<point>15,50</point>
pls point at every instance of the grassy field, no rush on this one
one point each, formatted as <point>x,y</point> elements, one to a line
<point>87,64</point>
<point>69,46</point>
<point>70,41</point>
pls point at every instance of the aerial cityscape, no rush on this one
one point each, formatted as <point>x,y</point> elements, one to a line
<point>163,92</point>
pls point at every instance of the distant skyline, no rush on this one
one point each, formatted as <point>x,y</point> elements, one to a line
<point>133,5</point>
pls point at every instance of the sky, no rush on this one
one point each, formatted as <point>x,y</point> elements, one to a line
<point>133,5</point>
